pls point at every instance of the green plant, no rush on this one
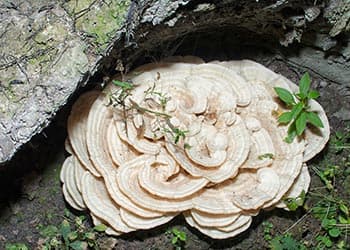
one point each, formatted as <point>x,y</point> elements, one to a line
<point>71,234</point>
<point>335,221</point>
<point>266,156</point>
<point>286,242</point>
<point>294,203</point>
<point>300,114</point>
<point>327,175</point>
<point>331,210</point>
<point>16,246</point>
<point>341,140</point>
<point>119,97</point>
<point>280,241</point>
<point>267,230</point>
<point>178,238</point>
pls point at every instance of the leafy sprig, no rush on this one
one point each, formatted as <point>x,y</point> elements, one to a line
<point>71,234</point>
<point>178,239</point>
<point>119,97</point>
<point>300,114</point>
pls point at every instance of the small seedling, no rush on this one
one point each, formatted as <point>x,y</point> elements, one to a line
<point>286,241</point>
<point>294,203</point>
<point>267,230</point>
<point>300,114</point>
<point>280,241</point>
<point>266,156</point>
<point>119,97</point>
<point>331,210</point>
<point>327,175</point>
<point>71,234</point>
<point>341,140</point>
<point>178,239</point>
<point>162,97</point>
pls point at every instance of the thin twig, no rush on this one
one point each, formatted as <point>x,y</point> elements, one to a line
<point>297,222</point>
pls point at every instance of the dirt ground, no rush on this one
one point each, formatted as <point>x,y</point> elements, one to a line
<point>30,189</point>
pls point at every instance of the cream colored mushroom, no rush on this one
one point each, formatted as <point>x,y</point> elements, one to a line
<point>99,118</point>
<point>70,188</point>
<point>132,171</point>
<point>127,179</point>
<point>76,127</point>
<point>139,222</point>
<point>100,204</point>
<point>227,78</point>
<point>316,137</point>
<point>236,153</point>
<point>213,220</point>
<point>214,200</point>
<point>239,225</point>
<point>250,189</point>
<point>162,177</point>
<point>119,150</point>
<point>262,150</point>
<point>79,171</point>
<point>109,230</point>
<point>123,201</point>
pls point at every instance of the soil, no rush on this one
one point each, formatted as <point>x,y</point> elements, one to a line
<point>31,194</point>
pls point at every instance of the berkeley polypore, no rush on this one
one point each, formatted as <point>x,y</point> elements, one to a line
<point>184,136</point>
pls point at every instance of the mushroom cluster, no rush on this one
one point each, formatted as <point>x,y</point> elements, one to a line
<point>185,136</point>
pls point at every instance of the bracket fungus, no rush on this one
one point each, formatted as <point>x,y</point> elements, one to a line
<point>185,136</point>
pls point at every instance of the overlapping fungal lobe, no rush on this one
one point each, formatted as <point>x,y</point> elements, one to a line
<point>187,137</point>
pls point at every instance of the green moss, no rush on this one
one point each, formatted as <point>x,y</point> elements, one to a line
<point>99,21</point>
<point>52,34</point>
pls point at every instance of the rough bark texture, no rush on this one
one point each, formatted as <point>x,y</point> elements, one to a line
<point>47,50</point>
<point>50,48</point>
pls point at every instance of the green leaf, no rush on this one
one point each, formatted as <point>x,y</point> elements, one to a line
<point>292,205</point>
<point>266,156</point>
<point>297,109</point>
<point>328,223</point>
<point>72,236</point>
<point>313,94</point>
<point>100,228</point>
<point>314,119</point>
<point>175,231</point>
<point>79,220</point>
<point>285,95</point>
<point>49,231</point>
<point>123,85</point>
<point>182,236</point>
<point>292,133</point>
<point>78,245</point>
<point>304,85</point>
<point>275,244</point>
<point>325,240</point>
<point>344,209</point>
<point>16,246</point>
<point>334,232</point>
<point>90,236</point>
<point>342,220</point>
<point>286,117</point>
<point>65,230</point>
<point>174,240</point>
<point>66,213</point>
<point>300,123</point>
